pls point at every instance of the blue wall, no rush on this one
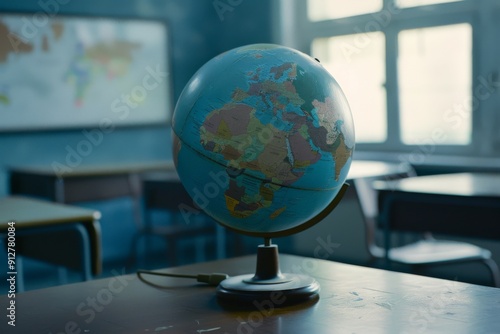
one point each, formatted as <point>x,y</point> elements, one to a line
<point>199,31</point>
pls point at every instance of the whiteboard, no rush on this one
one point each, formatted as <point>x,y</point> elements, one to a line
<point>59,72</point>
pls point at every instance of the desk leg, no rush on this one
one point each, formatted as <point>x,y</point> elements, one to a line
<point>86,263</point>
<point>62,274</point>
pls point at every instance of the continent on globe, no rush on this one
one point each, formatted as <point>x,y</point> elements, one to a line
<point>277,123</point>
<point>282,147</point>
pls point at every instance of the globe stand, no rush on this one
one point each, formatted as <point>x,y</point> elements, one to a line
<point>268,284</point>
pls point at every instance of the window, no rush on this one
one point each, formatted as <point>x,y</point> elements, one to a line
<point>333,9</point>
<point>434,76</point>
<point>415,72</point>
<point>415,3</point>
<point>358,63</point>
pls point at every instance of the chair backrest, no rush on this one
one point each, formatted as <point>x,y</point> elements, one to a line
<point>339,237</point>
<point>352,225</point>
<point>368,201</point>
<point>164,191</point>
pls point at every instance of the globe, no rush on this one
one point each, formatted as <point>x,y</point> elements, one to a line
<point>263,139</point>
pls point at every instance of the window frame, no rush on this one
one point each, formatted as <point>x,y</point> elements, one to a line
<point>296,30</point>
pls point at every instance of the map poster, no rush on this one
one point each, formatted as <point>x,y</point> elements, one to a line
<point>59,72</point>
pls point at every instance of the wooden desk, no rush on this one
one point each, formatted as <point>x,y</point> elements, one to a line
<point>40,227</point>
<point>462,204</point>
<point>352,300</point>
<point>85,183</point>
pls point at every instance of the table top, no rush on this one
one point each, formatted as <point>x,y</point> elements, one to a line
<point>29,212</point>
<point>455,184</point>
<point>352,299</point>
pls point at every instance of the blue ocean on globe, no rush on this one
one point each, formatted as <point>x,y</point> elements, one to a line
<point>263,138</point>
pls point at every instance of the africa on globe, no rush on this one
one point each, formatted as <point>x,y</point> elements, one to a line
<point>263,138</point>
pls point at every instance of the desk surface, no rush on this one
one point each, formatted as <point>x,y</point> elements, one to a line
<point>458,184</point>
<point>352,300</point>
<point>84,183</point>
<point>30,213</point>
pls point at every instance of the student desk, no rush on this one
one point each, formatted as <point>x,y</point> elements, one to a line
<point>461,204</point>
<point>352,299</point>
<point>46,231</point>
<point>85,183</point>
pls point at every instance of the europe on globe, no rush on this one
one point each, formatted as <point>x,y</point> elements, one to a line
<point>263,138</point>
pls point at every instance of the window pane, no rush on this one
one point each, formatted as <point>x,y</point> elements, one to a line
<point>435,74</point>
<point>357,62</point>
<point>333,9</point>
<point>415,3</point>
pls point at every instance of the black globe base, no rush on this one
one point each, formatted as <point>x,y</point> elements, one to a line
<point>268,285</point>
<point>300,288</point>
